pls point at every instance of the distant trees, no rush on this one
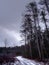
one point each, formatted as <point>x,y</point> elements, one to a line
<point>34,36</point>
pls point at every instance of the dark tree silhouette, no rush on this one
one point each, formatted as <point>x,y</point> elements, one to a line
<point>33,8</point>
<point>27,30</point>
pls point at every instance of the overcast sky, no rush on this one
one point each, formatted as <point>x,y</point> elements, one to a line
<point>10,20</point>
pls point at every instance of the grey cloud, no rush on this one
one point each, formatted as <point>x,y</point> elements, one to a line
<point>10,20</point>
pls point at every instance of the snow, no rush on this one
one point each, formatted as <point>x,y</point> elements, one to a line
<point>23,61</point>
<point>28,62</point>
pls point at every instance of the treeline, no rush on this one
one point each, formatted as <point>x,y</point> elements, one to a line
<point>35,30</point>
<point>10,50</point>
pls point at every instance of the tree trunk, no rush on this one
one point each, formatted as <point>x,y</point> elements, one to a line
<point>37,38</point>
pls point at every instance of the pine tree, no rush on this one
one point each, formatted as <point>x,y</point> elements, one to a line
<point>46,32</point>
<point>32,8</point>
<point>27,30</point>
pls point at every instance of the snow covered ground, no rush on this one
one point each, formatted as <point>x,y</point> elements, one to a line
<point>23,61</point>
<point>28,62</point>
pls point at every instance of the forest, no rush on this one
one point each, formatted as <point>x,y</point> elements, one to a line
<point>35,30</point>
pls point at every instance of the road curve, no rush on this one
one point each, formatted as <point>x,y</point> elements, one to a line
<point>24,61</point>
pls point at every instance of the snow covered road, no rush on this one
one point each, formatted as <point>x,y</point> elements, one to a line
<point>23,61</point>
